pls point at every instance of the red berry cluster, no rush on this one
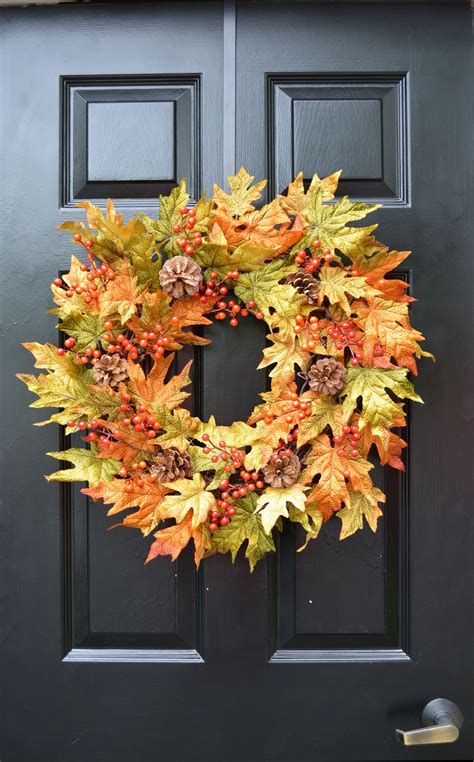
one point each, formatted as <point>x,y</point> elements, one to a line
<point>311,261</point>
<point>310,324</point>
<point>216,286</point>
<point>344,335</point>
<point>348,444</point>
<point>233,487</point>
<point>187,243</point>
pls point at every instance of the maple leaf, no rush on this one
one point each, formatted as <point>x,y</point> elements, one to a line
<point>131,446</point>
<point>147,498</point>
<point>179,427</point>
<point>192,495</point>
<point>285,355</point>
<point>297,200</point>
<point>268,227</point>
<point>122,295</point>
<point>214,254</point>
<point>67,386</point>
<point>324,412</point>
<point>74,303</point>
<point>311,519</point>
<point>272,503</point>
<point>379,264</point>
<point>279,302</point>
<point>378,408</point>
<point>152,391</point>
<point>114,239</point>
<point>331,490</point>
<point>335,283</point>
<point>361,505</point>
<point>239,434</point>
<point>87,328</point>
<point>329,225</point>
<point>246,527</point>
<point>386,325</point>
<point>203,463</point>
<point>157,308</point>
<point>162,229</point>
<point>389,448</point>
<point>239,201</point>
<point>172,540</point>
<point>88,466</point>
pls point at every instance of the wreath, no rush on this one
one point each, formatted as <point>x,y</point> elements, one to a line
<point>340,348</point>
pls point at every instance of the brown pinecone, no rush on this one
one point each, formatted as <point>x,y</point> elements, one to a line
<point>327,376</point>
<point>171,464</point>
<point>282,472</point>
<point>305,283</point>
<point>110,370</point>
<point>180,276</point>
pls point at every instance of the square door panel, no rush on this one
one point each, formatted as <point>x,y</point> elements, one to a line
<point>129,138</point>
<point>324,122</point>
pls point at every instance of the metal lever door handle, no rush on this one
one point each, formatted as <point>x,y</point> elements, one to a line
<point>441,720</point>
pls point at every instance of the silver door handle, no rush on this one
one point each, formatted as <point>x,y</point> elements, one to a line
<point>441,720</point>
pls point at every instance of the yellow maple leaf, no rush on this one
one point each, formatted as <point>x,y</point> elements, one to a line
<point>192,495</point>
<point>243,193</point>
<point>273,503</point>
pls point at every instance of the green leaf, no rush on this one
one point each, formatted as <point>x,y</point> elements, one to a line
<point>329,223</point>
<point>246,526</point>
<point>272,503</point>
<point>214,254</point>
<point>279,302</point>
<point>361,505</point>
<point>378,408</point>
<point>203,463</point>
<point>325,412</point>
<point>86,327</point>
<point>162,229</point>
<point>88,466</point>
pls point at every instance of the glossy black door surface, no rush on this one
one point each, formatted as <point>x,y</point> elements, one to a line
<point>315,656</point>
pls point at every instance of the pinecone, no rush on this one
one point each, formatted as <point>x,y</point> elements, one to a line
<point>180,276</point>
<point>327,376</point>
<point>305,283</point>
<point>110,370</point>
<point>282,472</point>
<point>171,464</point>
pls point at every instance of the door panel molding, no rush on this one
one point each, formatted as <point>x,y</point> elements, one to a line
<point>330,116</point>
<point>107,119</point>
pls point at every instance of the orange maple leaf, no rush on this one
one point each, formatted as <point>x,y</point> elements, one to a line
<point>147,498</point>
<point>389,452</point>
<point>386,325</point>
<point>157,308</point>
<point>131,445</point>
<point>151,390</point>
<point>171,540</point>
<point>331,491</point>
<point>122,294</point>
<point>269,227</point>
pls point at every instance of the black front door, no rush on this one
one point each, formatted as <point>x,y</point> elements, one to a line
<point>320,655</point>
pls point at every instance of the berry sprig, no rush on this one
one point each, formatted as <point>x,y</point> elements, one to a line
<point>296,410</point>
<point>97,275</point>
<point>311,261</point>
<point>216,286</point>
<point>348,444</point>
<point>344,335</point>
<point>184,241</point>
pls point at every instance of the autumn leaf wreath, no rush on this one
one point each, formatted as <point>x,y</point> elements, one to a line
<point>340,347</point>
